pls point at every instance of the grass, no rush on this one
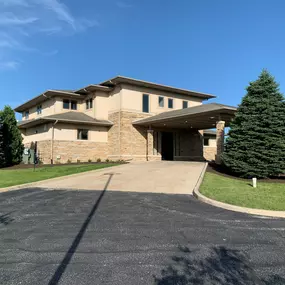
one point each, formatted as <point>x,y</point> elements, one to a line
<point>267,196</point>
<point>22,176</point>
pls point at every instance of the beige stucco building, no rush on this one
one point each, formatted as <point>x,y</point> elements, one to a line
<point>126,119</point>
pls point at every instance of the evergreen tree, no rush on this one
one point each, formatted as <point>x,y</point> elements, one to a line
<point>13,147</point>
<point>2,156</point>
<point>256,143</point>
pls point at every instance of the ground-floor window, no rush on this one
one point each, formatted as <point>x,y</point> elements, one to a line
<point>82,134</point>
<point>206,141</point>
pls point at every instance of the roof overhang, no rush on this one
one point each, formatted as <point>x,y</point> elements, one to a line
<point>92,88</point>
<point>39,121</point>
<point>121,79</point>
<point>45,96</point>
<point>200,117</point>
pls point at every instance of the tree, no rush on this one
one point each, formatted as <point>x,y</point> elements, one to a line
<point>2,155</point>
<point>256,143</point>
<point>13,147</point>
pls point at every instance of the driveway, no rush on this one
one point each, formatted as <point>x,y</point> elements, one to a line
<point>156,177</point>
<point>72,237</point>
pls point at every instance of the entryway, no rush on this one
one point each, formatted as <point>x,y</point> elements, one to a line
<point>167,150</point>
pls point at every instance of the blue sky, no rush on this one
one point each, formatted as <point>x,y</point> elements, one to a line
<point>213,46</point>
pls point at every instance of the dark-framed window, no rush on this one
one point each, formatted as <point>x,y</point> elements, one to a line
<point>206,141</point>
<point>69,104</point>
<point>27,113</point>
<point>39,109</point>
<point>145,103</point>
<point>185,104</point>
<point>66,104</point>
<point>89,104</point>
<point>82,134</point>
<point>73,105</point>
<point>161,101</point>
<point>170,103</point>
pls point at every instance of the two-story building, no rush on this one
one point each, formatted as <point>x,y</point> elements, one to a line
<point>124,118</point>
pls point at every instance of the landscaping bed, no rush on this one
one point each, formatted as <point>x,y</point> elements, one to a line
<point>239,192</point>
<point>11,177</point>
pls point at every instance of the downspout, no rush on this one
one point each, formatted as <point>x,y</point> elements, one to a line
<point>120,122</point>
<point>52,142</point>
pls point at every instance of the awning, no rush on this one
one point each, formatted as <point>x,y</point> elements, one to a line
<point>199,117</point>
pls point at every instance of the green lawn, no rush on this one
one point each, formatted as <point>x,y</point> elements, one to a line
<point>21,176</point>
<point>267,196</point>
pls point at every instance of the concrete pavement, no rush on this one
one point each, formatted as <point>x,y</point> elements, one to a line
<point>156,177</point>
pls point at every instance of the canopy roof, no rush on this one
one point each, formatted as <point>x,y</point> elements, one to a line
<point>199,117</point>
<point>68,117</point>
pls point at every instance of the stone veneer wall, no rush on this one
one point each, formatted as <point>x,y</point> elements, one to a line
<point>210,153</point>
<point>124,140</point>
<point>64,151</point>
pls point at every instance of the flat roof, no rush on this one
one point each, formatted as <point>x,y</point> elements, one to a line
<point>68,117</point>
<point>121,79</point>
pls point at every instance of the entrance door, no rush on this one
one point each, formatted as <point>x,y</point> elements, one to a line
<point>167,146</point>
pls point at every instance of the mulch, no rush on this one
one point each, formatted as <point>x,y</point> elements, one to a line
<point>27,166</point>
<point>217,169</point>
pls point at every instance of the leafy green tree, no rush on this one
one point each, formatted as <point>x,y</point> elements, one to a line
<point>2,155</point>
<point>256,143</point>
<point>13,146</point>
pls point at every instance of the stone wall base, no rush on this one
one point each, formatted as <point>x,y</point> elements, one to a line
<point>210,153</point>
<point>71,151</point>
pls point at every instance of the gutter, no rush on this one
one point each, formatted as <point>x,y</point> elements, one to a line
<point>52,142</point>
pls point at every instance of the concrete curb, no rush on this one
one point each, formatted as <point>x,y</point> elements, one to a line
<point>37,183</point>
<point>258,212</point>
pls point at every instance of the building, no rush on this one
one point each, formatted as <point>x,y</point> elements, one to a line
<point>124,118</point>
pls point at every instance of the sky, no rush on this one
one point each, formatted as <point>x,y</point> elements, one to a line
<point>212,46</point>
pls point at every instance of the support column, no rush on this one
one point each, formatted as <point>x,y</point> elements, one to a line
<point>220,126</point>
<point>149,144</point>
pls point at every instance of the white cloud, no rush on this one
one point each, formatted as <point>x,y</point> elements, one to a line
<point>9,65</point>
<point>11,19</point>
<point>121,4</point>
<point>22,21</point>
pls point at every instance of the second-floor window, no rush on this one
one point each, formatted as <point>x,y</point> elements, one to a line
<point>69,104</point>
<point>185,104</point>
<point>206,142</point>
<point>39,109</point>
<point>170,103</point>
<point>89,104</point>
<point>161,101</point>
<point>26,115</point>
<point>145,103</point>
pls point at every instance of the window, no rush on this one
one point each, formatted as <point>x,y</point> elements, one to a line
<point>206,141</point>
<point>145,103</point>
<point>73,105</point>
<point>170,103</point>
<point>39,109</point>
<point>66,104</point>
<point>185,104</point>
<point>82,134</point>
<point>27,113</point>
<point>161,101</point>
<point>89,104</point>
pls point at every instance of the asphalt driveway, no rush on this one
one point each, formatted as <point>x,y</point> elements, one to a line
<point>156,177</point>
<point>111,237</point>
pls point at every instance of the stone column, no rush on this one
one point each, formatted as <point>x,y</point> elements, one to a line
<point>220,126</point>
<point>149,144</point>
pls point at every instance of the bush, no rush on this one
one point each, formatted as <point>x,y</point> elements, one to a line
<point>89,160</point>
<point>99,160</point>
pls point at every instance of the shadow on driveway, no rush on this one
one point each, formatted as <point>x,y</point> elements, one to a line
<point>68,256</point>
<point>222,267</point>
